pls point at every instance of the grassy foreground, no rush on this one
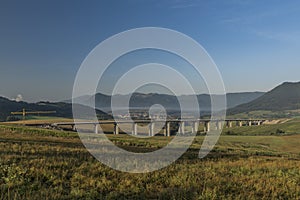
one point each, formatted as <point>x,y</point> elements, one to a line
<point>48,164</point>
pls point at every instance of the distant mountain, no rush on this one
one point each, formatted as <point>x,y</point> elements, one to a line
<point>62,109</point>
<point>103,102</point>
<point>235,99</point>
<point>283,97</point>
<point>140,100</point>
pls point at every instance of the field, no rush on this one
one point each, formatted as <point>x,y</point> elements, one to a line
<point>266,114</point>
<point>247,163</point>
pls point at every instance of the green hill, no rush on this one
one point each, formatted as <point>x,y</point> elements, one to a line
<point>62,109</point>
<point>282,98</point>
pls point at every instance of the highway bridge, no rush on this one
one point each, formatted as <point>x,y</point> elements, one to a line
<point>208,125</point>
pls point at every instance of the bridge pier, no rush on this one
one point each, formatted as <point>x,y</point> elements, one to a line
<point>96,128</point>
<point>249,123</point>
<point>239,123</point>
<point>195,126</point>
<point>116,129</point>
<point>73,127</point>
<point>218,125</point>
<point>206,126</point>
<point>167,129</point>
<point>134,129</point>
<point>229,124</point>
<point>151,129</point>
<point>181,127</point>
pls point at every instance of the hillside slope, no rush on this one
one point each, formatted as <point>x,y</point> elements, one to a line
<point>62,109</point>
<point>283,97</point>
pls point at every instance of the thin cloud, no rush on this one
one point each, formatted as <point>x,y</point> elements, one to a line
<point>179,4</point>
<point>231,20</point>
<point>279,36</point>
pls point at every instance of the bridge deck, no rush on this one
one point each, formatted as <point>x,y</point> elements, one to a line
<point>155,121</point>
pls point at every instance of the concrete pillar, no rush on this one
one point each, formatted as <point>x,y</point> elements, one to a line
<point>249,123</point>
<point>74,127</point>
<point>258,123</point>
<point>152,125</point>
<point>96,128</point>
<point>116,129</point>
<point>167,129</point>
<point>208,126</point>
<point>151,129</point>
<point>195,126</point>
<point>240,123</point>
<point>227,124</point>
<point>134,128</point>
<point>219,125</point>
<point>181,127</point>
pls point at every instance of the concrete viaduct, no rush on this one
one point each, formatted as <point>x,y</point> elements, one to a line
<point>194,123</point>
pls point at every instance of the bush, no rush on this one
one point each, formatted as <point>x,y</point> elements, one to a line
<point>279,132</point>
<point>230,133</point>
<point>12,118</point>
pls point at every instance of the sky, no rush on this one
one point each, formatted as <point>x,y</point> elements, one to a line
<point>255,44</point>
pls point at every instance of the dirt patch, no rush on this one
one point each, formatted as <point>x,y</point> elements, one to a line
<point>276,121</point>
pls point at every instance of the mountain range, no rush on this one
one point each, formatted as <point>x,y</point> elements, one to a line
<point>284,97</point>
<point>170,102</point>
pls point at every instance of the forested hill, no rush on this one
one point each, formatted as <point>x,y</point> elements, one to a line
<point>283,97</point>
<point>62,109</point>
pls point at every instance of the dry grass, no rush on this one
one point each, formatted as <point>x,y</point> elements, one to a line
<point>48,164</point>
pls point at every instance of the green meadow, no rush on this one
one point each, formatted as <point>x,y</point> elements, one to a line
<point>257,162</point>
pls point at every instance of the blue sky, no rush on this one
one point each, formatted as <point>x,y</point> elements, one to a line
<point>255,44</point>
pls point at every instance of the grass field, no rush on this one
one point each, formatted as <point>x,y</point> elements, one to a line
<point>50,164</point>
<point>291,126</point>
<point>39,120</point>
<point>267,114</point>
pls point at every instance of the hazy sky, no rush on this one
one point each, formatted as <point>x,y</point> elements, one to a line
<point>255,44</point>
